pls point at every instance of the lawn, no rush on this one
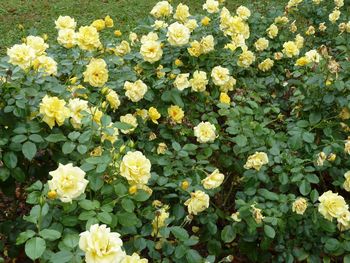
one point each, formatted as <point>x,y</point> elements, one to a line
<point>40,14</point>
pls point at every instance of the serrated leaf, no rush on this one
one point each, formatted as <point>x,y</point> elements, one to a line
<point>35,247</point>
<point>29,150</point>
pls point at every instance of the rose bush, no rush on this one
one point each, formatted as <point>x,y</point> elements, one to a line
<point>211,137</point>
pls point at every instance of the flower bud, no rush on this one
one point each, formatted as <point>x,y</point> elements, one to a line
<point>185,184</point>
<point>52,194</point>
<point>132,189</point>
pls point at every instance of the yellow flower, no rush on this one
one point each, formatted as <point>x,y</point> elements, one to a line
<point>293,28</point>
<point>205,132</point>
<point>178,62</point>
<point>153,114</point>
<point>162,9</point>
<point>331,157</point>
<point>131,120</point>
<point>135,91</point>
<point>344,114</point>
<point>344,221</point>
<point>45,64</point>
<point>97,151</point>
<point>181,82</point>
<point>299,206</point>
<point>110,137</point>
<point>310,31</point>
<point>143,113</point>
<point>220,75</point>
<point>235,217</point>
<point>278,55</point>
<point>109,21</point>
<point>101,245</point>
<point>113,99</point>
<point>38,44</point>
<point>266,65</point>
<point>96,72</point>
<point>96,115</point>
<point>281,20</point>
<point>66,38</point>
<point>136,168</point>
<point>246,59</point>
<point>76,107</point>
<point>65,22</point>
<point>191,24</point>
<point>99,24</point>
<point>313,56</point>
<point>176,113</point>
<point>88,38</point>
<point>195,49</point>
<point>52,194</point>
<point>331,205</point>
<point>205,21</point>
<point>257,214</point>
<point>133,37</point>
<point>224,98</point>
<point>211,6</point>
<point>134,258</point>
<point>118,33</point>
<point>334,16</point>
<point>299,41</point>
<point>133,189</point>
<point>68,181</point>
<point>162,147</point>
<point>302,61</point>
<point>243,12</point>
<point>122,49</point>
<point>198,202</point>
<point>199,81</point>
<point>290,49</point>
<point>151,51</point>
<point>207,44</point>
<point>158,24</point>
<point>21,55</point>
<point>256,161</point>
<point>213,180</point>
<point>53,110</point>
<point>322,27</point>
<point>178,34</point>
<point>272,31</point>
<point>182,13</point>
<point>346,183</point>
<point>228,86</point>
<point>159,221</point>
<point>261,44</point>
<point>184,185</point>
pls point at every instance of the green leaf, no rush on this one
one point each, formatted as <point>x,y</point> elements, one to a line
<point>61,257</point>
<point>308,137</point>
<point>176,146</point>
<point>50,234</point>
<point>193,256</point>
<point>104,217</point>
<point>315,118</point>
<point>56,138</point>
<point>269,231</point>
<point>127,219</point>
<point>241,140</point>
<point>228,234</point>
<point>29,150</point>
<point>35,247</point>
<point>141,196</point>
<point>71,240</point>
<point>89,205</point>
<point>36,138</point>
<point>120,189</point>
<point>304,187</point>
<point>10,160</point>
<point>346,259</point>
<point>179,232</point>
<point>332,244</point>
<point>19,138</point>
<point>82,149</point>
<point>128,205</point>
<point>4,174</point>
<point>68,147</point>
<point>24,236</point>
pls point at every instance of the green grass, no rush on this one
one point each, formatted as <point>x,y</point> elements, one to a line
<point>40,14</point>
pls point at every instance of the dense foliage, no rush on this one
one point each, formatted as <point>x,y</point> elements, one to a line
<point>195,138</point>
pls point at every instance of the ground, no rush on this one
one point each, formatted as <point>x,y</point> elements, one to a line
<point>40,14</point>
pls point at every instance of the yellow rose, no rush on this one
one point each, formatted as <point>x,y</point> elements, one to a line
<point>220,75</point>
<point>266,65</point>
<point>302,61</point>
<point>136,168</point>
<point>162,147</point>
<point>109,21</point>
<point>211,6</point>
<point>176,113</point>
<point>68,181</point>
<point>310,31</point>
<point>346,183</point>
<point>158,24</point>
<point>184,185</point>
<point>99,24</point>
<point>133,37</point>
<point>331,205</point>
<point>151,51</point>
<point>278,55</point>
<point>45,64</point>
<point>159,221</point>
<point>257,214</point>
<point>290,49</point>
<point>199,81</point>
<point>162,9</point>
<point>344,114</point>
<point>331,157</point>
<point>181,81</point>
<point>246,59</point>
<point>178,34</point>
<point>76,107</point>
<point>198,202</point>
<point>207,44</point>
<point>153,114</point>
<point>131,120</point>
<point>272,31</point>
<point>313,56</point>
<point>322,27</point>
<point>281,20</point>
<point>235,217</point>
<point>243,12</point>
<point>111,135</point>
<point>118,33</point>
<point>182,13</point>
<point>195,49</point>
<point>299,41</point>
<point>214,180</point>
<point>135,90</point>
<point>101,245</point>
<point>205,132</point>
<point>66,38</point>
<point>113,99</point>
<point>143,113</point>
<point>21,55</point>
<point>293,3</point>
<point>96,115</point>
<point>134,258</point>
<point>224,98</point>
<point>38,44</point>
<point>256,161</point>
<point>88,38</point>
<point>344,221</point>
<point>122,49</point>
<point>65,22</point>
<point>261,44</point>
<point>334,16</point>
<point>228,86</point>
<point>96,72</point>
<point>299,206</point>
<point>191,24</point>
<point>205,21</point>
<point>53,110</point>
